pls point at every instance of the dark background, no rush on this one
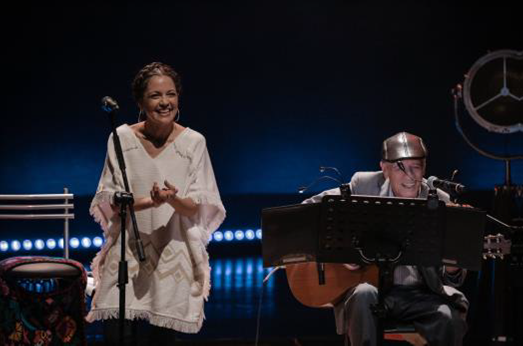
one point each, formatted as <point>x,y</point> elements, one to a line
<point>278,88</point>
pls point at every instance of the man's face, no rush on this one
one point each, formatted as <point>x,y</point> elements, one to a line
<point>404,185</point>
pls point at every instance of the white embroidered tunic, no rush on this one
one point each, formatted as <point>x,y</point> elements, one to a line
<point>169,288</point>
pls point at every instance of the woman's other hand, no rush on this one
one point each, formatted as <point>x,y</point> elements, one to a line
<point>160,196</point>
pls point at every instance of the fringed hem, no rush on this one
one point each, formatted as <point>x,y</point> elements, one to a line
<point>207,277</point>
<point>154,319</point>
<point>211,217</point>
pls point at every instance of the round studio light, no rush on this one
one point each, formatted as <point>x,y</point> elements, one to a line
<point>74,243</point>
<point>15,245</point>
<point>86,242</point>
<point>218,236</point>
<point>51,244</point>
<point>239,235</point>
<point>98,241</point>
<point>228,235</point>
<point>27,244</point>
<point>249,234</point>
<point>39,244</point>
<point>493,91</point>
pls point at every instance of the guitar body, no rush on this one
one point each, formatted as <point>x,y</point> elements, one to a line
<point>304,285</point>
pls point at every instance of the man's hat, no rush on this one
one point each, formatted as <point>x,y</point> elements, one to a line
<point>403,146</point>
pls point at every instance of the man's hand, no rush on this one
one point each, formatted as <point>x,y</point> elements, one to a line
<point>352,266</point>
<point>452,204</point>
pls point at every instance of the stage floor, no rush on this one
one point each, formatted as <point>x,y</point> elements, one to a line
<point>238,296</point>
<point>236,300</point>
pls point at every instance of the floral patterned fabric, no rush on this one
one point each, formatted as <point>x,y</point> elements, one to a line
<point>54,317</point>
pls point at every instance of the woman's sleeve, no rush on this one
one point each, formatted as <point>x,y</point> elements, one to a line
<point>203,190</point>
<point>110,182</point>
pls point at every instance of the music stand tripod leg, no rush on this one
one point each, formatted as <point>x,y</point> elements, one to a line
<point>385,270</point>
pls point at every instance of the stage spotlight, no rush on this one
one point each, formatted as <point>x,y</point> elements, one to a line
<point>74,243</point>
<point>86,242</point>
<point>27,244</point>
<point>218,236</point>
<point>98,241</point>
<point>51,244</point>
<point>493,91</point>
<point>249,234</point>
<point>39,244</point>
<point>15,245</point>
<point>228,235</point>
<point>239,235</point>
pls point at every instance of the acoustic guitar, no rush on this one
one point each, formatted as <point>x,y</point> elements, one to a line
<point>339,278</point>
<point>304,284</point>
<point>496,246</point>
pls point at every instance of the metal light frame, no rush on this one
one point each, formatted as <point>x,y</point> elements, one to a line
<point>504,91</point>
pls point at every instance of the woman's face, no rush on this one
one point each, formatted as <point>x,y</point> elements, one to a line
<point>160,100</point>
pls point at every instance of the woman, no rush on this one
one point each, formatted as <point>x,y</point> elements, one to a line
<point>177,207</point>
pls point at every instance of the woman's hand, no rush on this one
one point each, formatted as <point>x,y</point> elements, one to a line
<point>168,194</point>
<point>160,196</point>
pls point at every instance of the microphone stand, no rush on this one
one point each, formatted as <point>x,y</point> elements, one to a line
<point>126,201</point>
<point>344,191</point>
<point>432,199</point>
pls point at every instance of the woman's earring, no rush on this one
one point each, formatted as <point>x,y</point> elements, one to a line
<point>177,117</point>
<point>140,115</point>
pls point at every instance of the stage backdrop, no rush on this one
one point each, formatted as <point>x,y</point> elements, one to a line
<point>278,88</point>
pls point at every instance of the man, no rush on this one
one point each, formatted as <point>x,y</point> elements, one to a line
<point>424,296</point>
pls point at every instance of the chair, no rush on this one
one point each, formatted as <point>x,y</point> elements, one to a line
<point>402,331</point>
<point>24,208</point>
<point>42,299</point>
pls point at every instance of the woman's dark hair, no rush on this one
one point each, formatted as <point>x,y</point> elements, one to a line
<point>147,72</point>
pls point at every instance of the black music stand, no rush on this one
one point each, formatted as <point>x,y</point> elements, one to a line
<point>335,231</point>
<point>384,232</point>
<point>373,230</point>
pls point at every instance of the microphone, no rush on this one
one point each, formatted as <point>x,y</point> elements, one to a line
<point>449,186</point>
<point>109,104</point>
<point>324,168</point>
<point>302,189</point>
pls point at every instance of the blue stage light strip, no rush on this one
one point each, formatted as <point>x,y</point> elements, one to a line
<point>35,245</point>
<point>237,235</point>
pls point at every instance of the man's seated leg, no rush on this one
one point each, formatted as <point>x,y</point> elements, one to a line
<point>354,316</point>
<point>436,320</point>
